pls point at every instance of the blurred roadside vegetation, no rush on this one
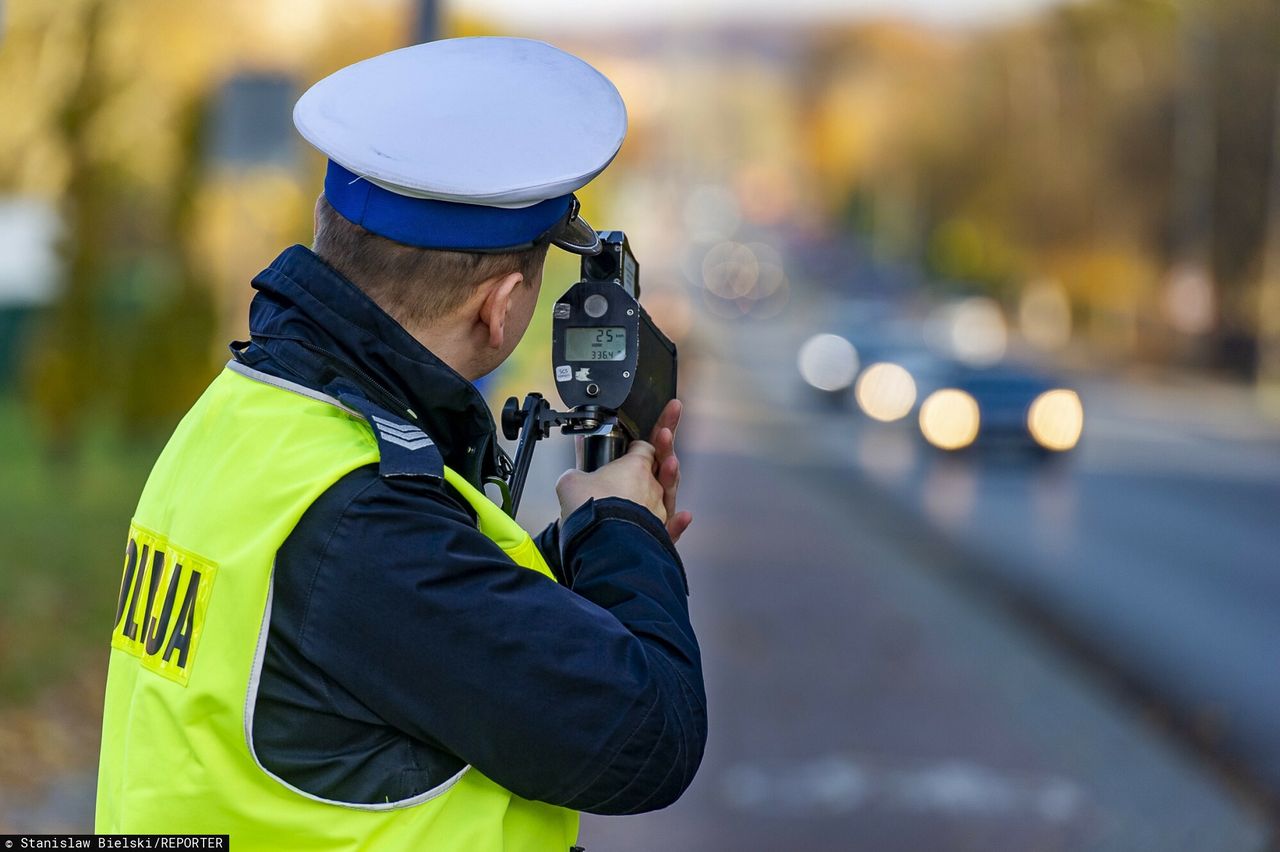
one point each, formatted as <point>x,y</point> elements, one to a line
<point>118,116</point>
<point>1127,150</point>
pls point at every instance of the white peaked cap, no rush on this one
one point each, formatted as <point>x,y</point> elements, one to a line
<point>502,123</point>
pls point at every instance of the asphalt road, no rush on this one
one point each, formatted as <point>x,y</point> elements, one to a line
<point>1163,557</point>
<point>1155,545</point>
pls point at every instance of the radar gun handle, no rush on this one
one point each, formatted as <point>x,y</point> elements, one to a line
<point>599,450</point>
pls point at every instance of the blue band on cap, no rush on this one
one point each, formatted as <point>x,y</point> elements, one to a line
<point>434,224</point>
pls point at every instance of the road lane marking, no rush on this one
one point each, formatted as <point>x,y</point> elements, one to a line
<point>837,784</point>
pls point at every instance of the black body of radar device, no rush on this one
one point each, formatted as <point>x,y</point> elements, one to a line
<point>614,368</point>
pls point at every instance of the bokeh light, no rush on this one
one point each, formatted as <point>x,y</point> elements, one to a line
<point>828,362</point>
<point>886,392</point>
<point>730,270</point>
<point>1056,419</point>
<point>972,331</point>
<point>739,279</point>
<point>1188,299</point>
<point>770,272</point>
<point>949,419</point>
<point>978,333</point>
<point>1044,314</point>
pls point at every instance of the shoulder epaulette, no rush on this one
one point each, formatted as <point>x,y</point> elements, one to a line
<point>406,450</point>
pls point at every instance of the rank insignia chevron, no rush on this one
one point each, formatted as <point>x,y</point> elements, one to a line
<point>401,434</point>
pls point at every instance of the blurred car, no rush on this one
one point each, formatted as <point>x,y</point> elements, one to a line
<point>1009,406</point>
<point>874,360</point>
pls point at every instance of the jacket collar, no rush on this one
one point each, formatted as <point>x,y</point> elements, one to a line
<point>320,327</point>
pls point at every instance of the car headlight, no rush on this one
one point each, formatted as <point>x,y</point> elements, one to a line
<point>828,362</point>
<point>949,419</point>
<point>885,392</point>
<point>1056,419</point>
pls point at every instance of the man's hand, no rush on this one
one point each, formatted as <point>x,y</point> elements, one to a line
<point>667,467</point>
<point>647,474</point>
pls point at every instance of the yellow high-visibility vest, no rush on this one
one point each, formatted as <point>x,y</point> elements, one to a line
<point>191,625</point>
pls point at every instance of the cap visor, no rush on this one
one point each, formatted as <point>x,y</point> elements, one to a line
<point>576,236</point>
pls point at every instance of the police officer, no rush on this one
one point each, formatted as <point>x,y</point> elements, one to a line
<point>327,636</point>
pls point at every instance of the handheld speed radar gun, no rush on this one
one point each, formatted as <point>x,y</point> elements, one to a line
<point>614,368</point>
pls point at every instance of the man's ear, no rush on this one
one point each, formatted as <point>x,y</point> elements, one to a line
<point>496,306</point>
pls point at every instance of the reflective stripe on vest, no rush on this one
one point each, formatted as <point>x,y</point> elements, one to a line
<point>177,753</point>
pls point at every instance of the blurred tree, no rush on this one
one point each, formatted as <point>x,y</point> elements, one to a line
<point>1244,78</point>
<point>167,362</point>
<point>1121,147</point>
<point>133,317</point>
<point>1268,304</point>
<point>66,358</point>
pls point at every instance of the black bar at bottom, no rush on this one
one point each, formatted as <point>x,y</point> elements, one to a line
<point>114,841</point>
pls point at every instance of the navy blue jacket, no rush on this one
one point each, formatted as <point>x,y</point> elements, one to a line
<point>402,645</point>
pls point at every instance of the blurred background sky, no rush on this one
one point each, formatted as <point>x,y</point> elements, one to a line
<point>576,14</point>
<point>979,313</point>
